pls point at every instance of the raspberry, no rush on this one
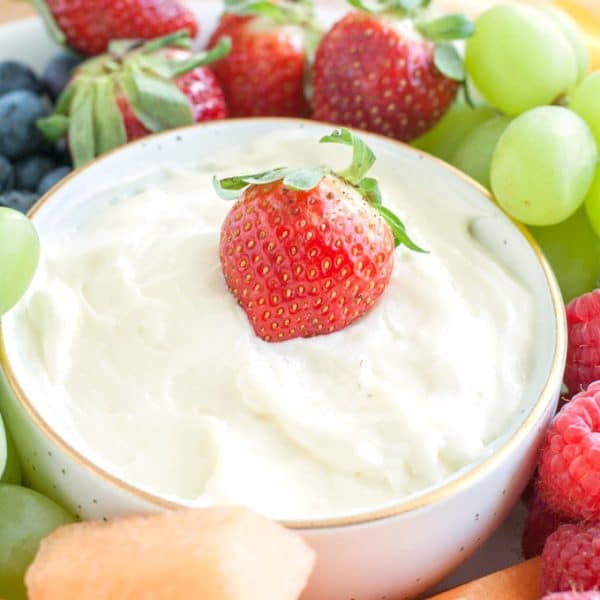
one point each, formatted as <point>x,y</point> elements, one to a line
<point>571,559</point>
<point>541,521</point>
<point>572,596</point>
<point>583,352</point>
<point>569,464</point>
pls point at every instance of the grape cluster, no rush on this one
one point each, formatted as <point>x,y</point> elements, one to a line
<point>537,151</point>
<point>26,516</point>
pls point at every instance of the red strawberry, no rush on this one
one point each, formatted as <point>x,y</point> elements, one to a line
<point>385,74</point>
<point>201,88</point>
<point>89,27</point>
<point>264,75</point>
<point>133,91</point>
<point>306,251</point>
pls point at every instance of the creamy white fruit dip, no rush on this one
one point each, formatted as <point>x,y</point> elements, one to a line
<point>160,377</point>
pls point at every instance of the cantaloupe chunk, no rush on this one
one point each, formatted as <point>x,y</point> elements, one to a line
<point>520,582</point>
<point>200,554</point>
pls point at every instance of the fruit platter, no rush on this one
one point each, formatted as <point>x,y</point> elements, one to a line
<point>300,300</point>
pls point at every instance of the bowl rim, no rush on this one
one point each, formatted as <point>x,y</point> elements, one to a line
<point>414,502</point>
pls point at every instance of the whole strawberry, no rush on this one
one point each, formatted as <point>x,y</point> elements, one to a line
<point>89,27</point>
<point>307,251</point>
<point>272,46</point>
<point>135,90</point>
<point>388,71</point>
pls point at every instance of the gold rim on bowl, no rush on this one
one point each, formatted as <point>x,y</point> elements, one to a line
<point>551,386</point>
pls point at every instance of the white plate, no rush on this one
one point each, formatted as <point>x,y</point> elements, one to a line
<point>28,42</point>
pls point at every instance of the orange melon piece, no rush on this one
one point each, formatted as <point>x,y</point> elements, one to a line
<point>204,554</point>
<point>519,582</point>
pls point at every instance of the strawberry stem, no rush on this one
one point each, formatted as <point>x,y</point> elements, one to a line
<point>178,39</point>
<point>222,49</point>
<point>362,156</point>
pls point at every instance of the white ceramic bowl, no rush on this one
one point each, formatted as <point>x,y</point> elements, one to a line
<point>396,551</point>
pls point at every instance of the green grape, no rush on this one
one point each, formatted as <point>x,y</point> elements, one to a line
<point>574,36</point>
<point>585,101</point>
<point>11,471</point>
<point>543,165</point>
<point>3,449</point>
<point>443,139</point>
<point>26,517</point>
<point>519,58</point>
<point>474,155</point>
<point>19,256</point>
<point>592,203</point>
<point>573,251</point>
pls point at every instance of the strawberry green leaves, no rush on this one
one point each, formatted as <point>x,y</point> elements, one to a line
<point>448,62</point>
<point>362,160</point>
<point>54,127</point>
<point>400,8</point>
<point>299,179</point>
<point>156,102</point>
<point>178,39</point>
<point>398,229</point>
<point>307,178</point>
<point>443,31</point>
<point>362,156</point>
<point>369,188</point>
<point>81,124</point>
<point>141,73</point>
<point>447,28</point>
<point>280,13</point>
<point>276,12</point>
<point>161,64</point>
<point>108,124</point>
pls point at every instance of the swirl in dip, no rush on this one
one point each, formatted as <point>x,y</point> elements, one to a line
<point>158,376</point>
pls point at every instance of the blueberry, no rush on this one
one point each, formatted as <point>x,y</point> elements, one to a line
<point>51,179</point>
<point>18,199</point>
<point>29,171</point>
<point>17,76</point>
<point>61,153</point>
<point>58,71</point>
<point>7,175</point>
<point>19,135</point>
